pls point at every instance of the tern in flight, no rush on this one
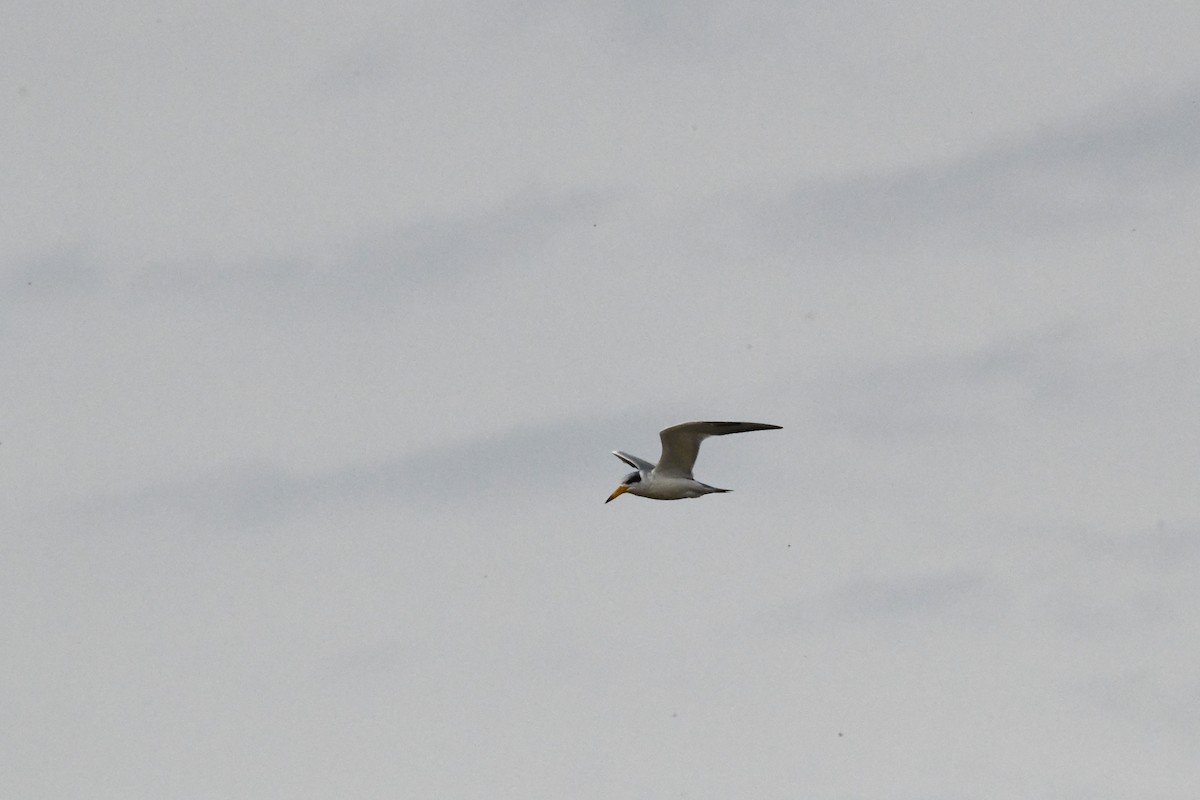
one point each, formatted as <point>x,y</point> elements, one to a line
<point>671,478</point>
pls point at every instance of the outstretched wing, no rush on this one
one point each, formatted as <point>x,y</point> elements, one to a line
<point>681,443</point>
<point>633,461</point>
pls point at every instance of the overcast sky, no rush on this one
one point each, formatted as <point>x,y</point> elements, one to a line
<point>318,322</point>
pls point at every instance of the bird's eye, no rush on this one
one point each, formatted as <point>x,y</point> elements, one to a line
<point>633,477</point>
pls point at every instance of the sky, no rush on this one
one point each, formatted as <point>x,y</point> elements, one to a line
<point>319,323</point>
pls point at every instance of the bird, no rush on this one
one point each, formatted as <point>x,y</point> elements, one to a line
<point>671,478</point>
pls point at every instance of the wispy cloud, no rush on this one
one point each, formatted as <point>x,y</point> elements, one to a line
<point>968,597</point>
<point>388,266</point>
<point>975,388</point>
<point>1117,162</point>
<point>529,462</point>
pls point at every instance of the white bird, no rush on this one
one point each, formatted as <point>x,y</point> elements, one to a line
<point>671,478</point>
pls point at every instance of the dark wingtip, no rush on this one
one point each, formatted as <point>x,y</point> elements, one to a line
<point>766,426</point>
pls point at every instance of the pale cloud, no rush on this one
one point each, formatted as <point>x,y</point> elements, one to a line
<point>1121,162</point>
<point>320,325</point>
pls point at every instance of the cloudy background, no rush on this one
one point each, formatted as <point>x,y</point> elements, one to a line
<point>318,323</point>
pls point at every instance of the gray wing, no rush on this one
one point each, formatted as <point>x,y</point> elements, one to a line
<point>633,461</point>
<point>681,443</point>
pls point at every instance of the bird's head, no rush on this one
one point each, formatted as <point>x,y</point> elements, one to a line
<point>629,481</point>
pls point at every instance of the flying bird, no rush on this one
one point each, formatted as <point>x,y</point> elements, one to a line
<point>671,478</point>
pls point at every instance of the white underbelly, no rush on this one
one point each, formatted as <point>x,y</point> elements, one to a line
<point>669,489</point>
